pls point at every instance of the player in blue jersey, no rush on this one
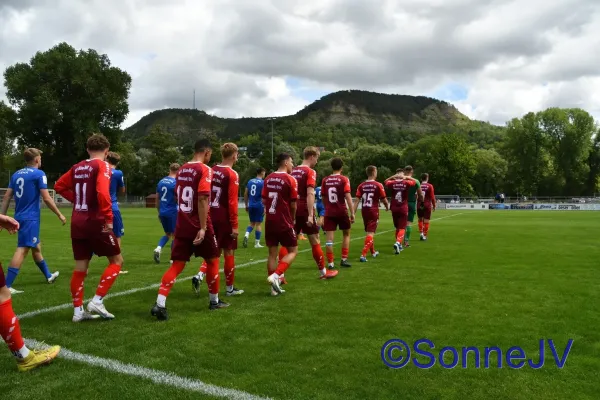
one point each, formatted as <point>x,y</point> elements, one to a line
<point>320,207</point>
<point>117,185</point>
<point>166,204</point>
<point>27,185</point>
<point>254,207</point>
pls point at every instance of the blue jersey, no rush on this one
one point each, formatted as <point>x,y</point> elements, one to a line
<point>166,196</point>
<point>116,182</point>
<point>26,184</point>
<point>255,187</point>
<point>319,199</point>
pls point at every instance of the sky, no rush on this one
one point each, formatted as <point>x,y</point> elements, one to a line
<point>493,59</point>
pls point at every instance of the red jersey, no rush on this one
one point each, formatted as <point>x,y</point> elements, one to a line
<point>193,180</point>
<point>306,177</point>
<point>370,193</point>
<point>400,194</point>
<point>333,190</point>
<point>86,185</point>
<point>280,190</point>
<point>224,200</point>
<point>428,194</point>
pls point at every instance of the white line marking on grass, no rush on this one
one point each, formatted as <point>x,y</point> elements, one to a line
<point>157,285</point>
<point>156,376</point>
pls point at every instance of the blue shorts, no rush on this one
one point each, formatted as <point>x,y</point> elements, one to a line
<point>256,214</point>
<point>168,222</point>
<point>29,233</point>
<point>118,228</point>
<point>321,211</point>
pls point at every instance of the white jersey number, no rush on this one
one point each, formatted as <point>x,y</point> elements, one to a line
<point>332,194</point>
<point>186,199</point>
<point>274,196</point>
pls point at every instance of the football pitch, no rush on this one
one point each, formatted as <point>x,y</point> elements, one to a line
<point>484,279</point>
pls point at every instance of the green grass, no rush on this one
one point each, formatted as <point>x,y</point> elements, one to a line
<point>497,278</point>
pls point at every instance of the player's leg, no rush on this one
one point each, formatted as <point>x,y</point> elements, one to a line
<point>329,226</point>
<point>38,258</point>
<point>182,250</point>
<point>10,330</point>
<point>345,248</point>
<point>106,245</point>
<point>272,261</point>
<point>250,227</point>
<point>411,217</point>
<point>426,220</point>
<point>282,266</point>
<point>166,222</point>
<point>401,220</point>
<point>15,267</point>
<point>317,253</point>
<point>258,232</point>
<point>213,281</point>
<point>367,246</point>
<point>229,269</point>
<point>118,228</point>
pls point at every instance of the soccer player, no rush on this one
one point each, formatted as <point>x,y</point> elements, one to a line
<point>224,216</point>
<point>87,186</point>
<point>337,199</point>
<point>10,330</point>
<point>399,207</point>
<point>426,206</point>
<point>194,231</point>
<point>254,207</point>
<point>306,178</point>
<point>166,204</point>
<point>280,193</point>
<point>369,194</point>
<point>413,193</point>
<point>117,185</point>
<point>26,185</point>
<point>320,208</point>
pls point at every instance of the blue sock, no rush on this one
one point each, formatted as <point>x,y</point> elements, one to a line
<point>257,234</point>
<point>11,275</point>
<point>249,229</point>
<point>44,268</point>
<point>163,241</point>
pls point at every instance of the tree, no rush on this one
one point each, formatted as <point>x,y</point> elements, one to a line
<point>7,120</point>
<point>490,172</point>
<point>61,97</point>
<point>160,153</point>
<point>385,158</point>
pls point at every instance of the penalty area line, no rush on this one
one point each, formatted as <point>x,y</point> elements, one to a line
<point>156,376</point>
<point>65,306</point>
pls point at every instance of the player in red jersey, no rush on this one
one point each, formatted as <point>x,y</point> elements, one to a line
<point>306,177</point>
<point>337,200</point>
<point>280,193</point>
<point>426,206</point>
<point>194,231</point>
<point>86,185</point>
<point>369,194</point>
<point>399,186</point>
<point>224,216</point>
<point>10,329</point>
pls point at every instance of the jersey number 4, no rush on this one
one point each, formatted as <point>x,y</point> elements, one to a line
<point>398,197</point>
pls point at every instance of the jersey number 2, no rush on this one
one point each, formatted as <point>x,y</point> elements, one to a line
<point>164,196</point>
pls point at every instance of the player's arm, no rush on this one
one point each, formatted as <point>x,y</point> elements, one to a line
<point>358,196</point>
<point>433,201</point>
<point>158,199</point>
<point>394,177</point>
<point>6,200</point>
<point>246,198</point>
<point>293,197</point>
<point>64,186</point>
<point>383,198</point>
<point>420,194</point>
<point>52,205</point>
<point>9,223</point>
<point>233,192</point>
<point>103,189</point>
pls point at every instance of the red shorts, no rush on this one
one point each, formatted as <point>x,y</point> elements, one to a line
<point>424,213</point>
<point>370,220</point>
<point>332,223</point>
<point>223,233</point>
<point>400,219</point>
<point>301,226</point>
<point>286,238</point>
<point>2,280</point>
<point>103,244</point>
<point>183,248</point>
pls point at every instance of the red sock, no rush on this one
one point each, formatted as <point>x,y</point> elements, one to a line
<point>282,252</point>
<point>400,235</point>
<point>373,245</point>
<point>426,228</point>
<point>420,226</point>
<point>368,245</point>
<point>77,287</point>
<point>10,330</point>
<point>168,279</point>
<point>329,251</point>
<point>213,279</point>
<point>229,268</point>
<point>345,252</point>
<point>108,279</point>
<point>317,253</point>
<point>281,268</point>
<point>203,268</point>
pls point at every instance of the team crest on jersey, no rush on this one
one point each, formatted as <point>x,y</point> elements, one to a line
<point>34,240</point>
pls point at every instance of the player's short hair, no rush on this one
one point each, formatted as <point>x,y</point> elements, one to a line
<point>371,170</point>
<point>281,158</point>
<point>336,164</point>
<point>424,176</point>
<point>174,167</point>
<point>113,158</point>
<point>311,151</point>
<point>31,153</point>
<point>202,145</point>
<point>408,169</point>
<point>97,142</point>
<point>260,170</point>
<point>228,149</point>
<point>399,170</point>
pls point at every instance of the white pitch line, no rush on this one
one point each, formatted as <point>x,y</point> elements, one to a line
<point>157,285</point>
<point>156,376</point>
